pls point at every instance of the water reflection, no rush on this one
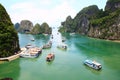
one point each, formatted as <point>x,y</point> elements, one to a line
<point>39,39</point>
<point>105,52</point>
<point>10,70</point>
<point>96,72</point>
<point>31,59</point>
<point>69,63</point>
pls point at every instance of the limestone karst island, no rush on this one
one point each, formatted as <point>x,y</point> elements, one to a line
<point>59,40</point>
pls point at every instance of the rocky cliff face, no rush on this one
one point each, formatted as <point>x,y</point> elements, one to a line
<point>107,27</point>
<point>67,25</point>
<point>97,23</point>
<point>109,30</point>
<point>39,29</point>
<point>83,17</point>
<point>17,26</point>
<point>9,43</point>
<point>45,28</point>
<point>81,21</point>
<point>26,26</point>
<point>112,5</point>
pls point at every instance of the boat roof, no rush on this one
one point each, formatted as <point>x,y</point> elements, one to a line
<point>62,44</point>
<point>96,63</point>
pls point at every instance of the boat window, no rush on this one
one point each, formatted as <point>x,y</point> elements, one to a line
<point>88,63</point>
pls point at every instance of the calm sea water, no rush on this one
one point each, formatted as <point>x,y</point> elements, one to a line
<point>68,64</point>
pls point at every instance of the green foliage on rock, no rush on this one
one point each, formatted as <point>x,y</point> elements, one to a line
<point>26,26</point>
<point>39,29</point>
<point>95,22</point>
<point>90,10</point>
<point>106,20</point>
<point>67,25</point>
<point>80,21</point>
<point>108,26</point>
<point>36,29</point>
<point>45,28</point>
<point>9,43</point>
<point>112,5</point>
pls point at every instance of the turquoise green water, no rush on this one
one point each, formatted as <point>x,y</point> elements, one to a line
<point>68,64</point>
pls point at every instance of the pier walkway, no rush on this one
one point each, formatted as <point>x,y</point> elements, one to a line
<point>10,58</point>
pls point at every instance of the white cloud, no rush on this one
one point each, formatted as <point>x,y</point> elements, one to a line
<point>34,12</point>
<point>22,5</point>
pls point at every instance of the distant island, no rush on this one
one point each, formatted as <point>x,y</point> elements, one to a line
<point>9,43</point>
<point>26,26</point>
<point>95,22</point>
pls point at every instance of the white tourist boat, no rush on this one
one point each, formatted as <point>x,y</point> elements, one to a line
<point>31,52</point>
<point>93,64</point>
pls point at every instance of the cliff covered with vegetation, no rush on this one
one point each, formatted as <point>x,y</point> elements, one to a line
<point>81,21</point>
<point>27,26</point>
<point>43,28</point>
<point>9,43</point>
<point>95,22</point>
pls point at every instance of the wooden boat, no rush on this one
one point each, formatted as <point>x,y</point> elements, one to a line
<point>63,39</point>
<point>32,39</point>
<point>29,46</point>
<point>52,36</point>
<point>72,33</point>
<point>62,46</point>
<point>48,45</point>
<point>50,42</point>
<point>93,64</point>
<point>31,52</point>
<point>50,57</point>
<point>45,34</point>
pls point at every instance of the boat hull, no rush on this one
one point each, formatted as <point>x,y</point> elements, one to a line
<point>28,55</point>
<point>92,65</point>
<point>50,58</point>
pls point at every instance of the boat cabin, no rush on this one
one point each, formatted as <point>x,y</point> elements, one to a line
<point>93,64</point>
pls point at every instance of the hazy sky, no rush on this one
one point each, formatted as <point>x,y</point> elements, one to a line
<point>51,11</point>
